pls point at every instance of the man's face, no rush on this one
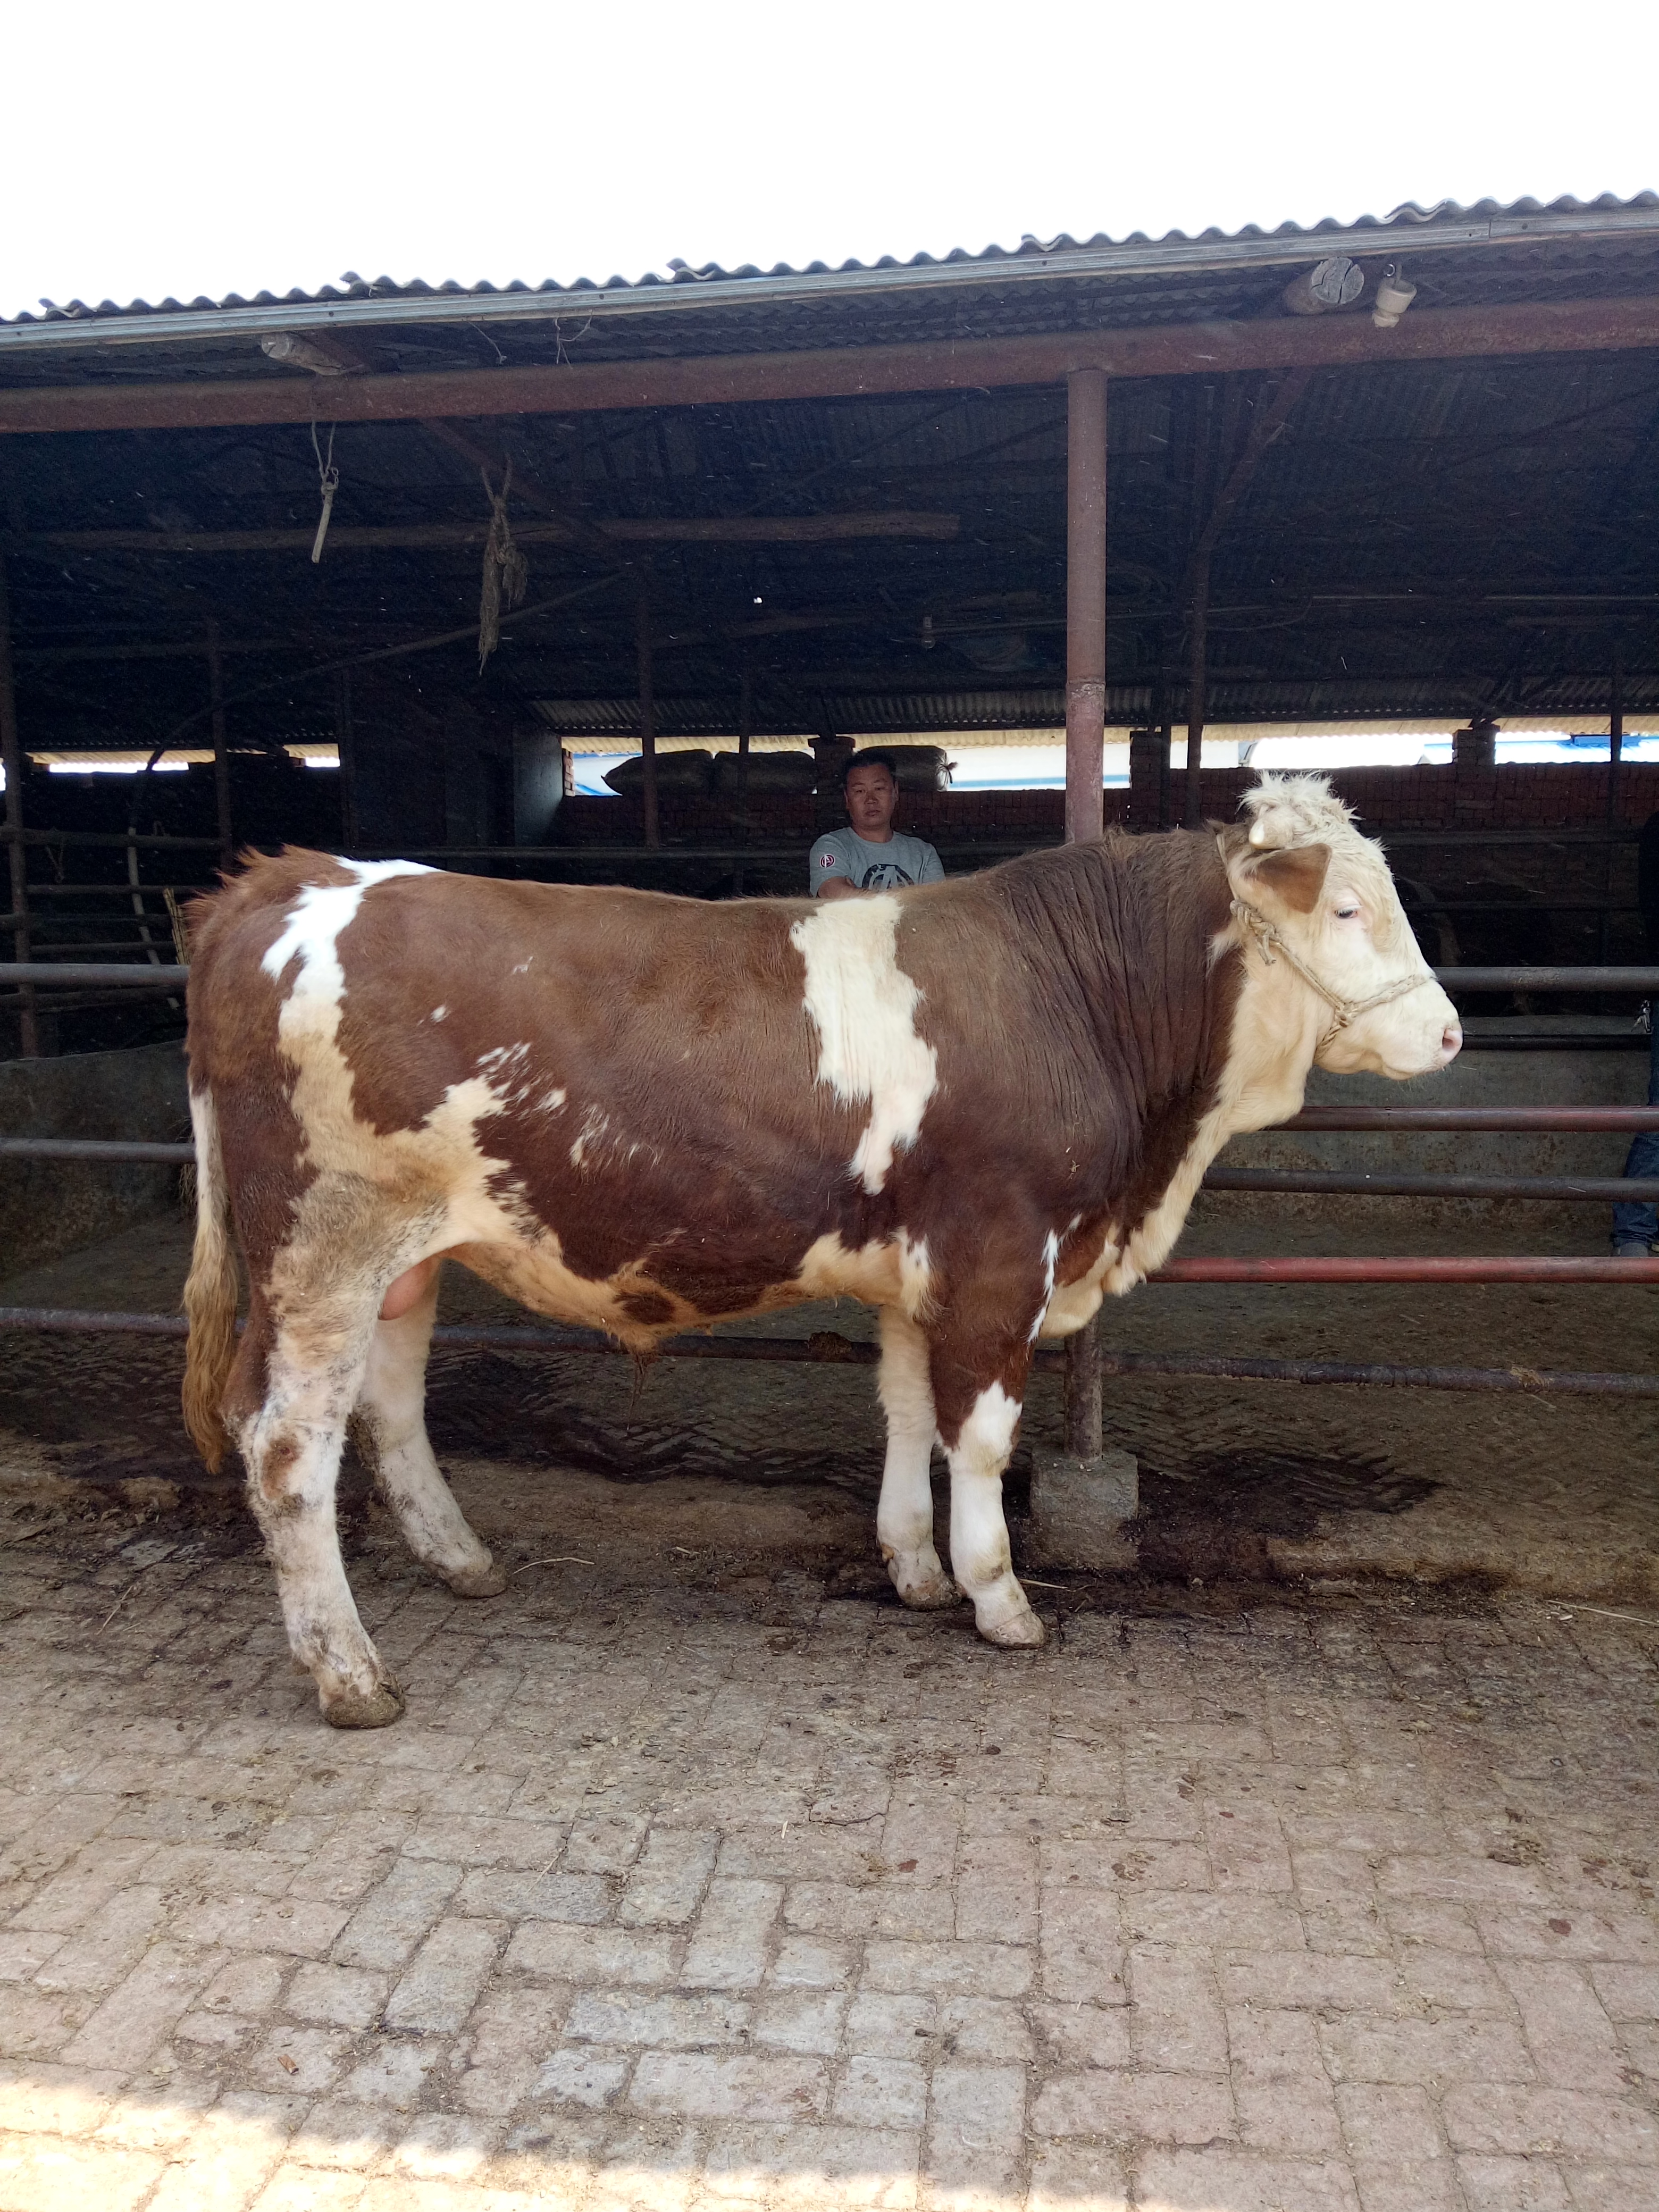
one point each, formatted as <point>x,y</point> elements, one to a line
<point>871,795</point>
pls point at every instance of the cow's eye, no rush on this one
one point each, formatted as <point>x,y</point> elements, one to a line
<point>1347,914</point>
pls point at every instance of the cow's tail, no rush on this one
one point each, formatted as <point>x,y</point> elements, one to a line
<point>210,1293</point>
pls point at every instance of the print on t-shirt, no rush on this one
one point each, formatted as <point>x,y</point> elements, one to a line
<point>901,861</point>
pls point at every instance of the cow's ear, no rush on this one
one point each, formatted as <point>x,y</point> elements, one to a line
<point>1297,874</point>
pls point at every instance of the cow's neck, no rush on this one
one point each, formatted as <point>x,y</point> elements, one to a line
<point>1189,1050</point>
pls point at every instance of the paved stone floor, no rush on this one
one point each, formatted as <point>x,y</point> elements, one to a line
<point>687,1881</point>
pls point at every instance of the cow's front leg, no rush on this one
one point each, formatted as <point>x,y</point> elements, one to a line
<point>391,1415</point>
<point>297,1390</point>
<point>904,1518</point>
<point>979,1557</point>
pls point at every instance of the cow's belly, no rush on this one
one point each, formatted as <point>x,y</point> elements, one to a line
<point>637,1309</point>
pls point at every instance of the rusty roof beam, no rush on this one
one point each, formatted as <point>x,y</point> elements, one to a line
<point>847,372</point>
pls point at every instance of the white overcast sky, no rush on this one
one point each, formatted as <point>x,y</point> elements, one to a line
<point>164,147</point>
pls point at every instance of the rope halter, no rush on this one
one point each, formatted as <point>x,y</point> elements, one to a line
<point>1271,946</point>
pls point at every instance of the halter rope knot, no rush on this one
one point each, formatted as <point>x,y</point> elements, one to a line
<point>1271,946</point>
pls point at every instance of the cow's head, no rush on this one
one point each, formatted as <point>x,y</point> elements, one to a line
<point>1327,936</point>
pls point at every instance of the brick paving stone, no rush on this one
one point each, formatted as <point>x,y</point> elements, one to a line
<point>1244,2181</point>
<point>1404,2051</point>
<point>975,2146</point>
<point>38,2174</point>
<point>1160,2107</point>
<point>387,1926</point>
<point>704,2087</point>
<point>730,1947</point>
<point>1573,2043</point>
<point>591,1954</point>
<point>667,1881</point>
<point>443,1980</point>
<point>1513,2185</point>
<point>655,1904</point>
<point>339,1997</point>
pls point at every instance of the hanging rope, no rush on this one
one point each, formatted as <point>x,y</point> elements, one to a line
<point>328,479</point>
<point>505,571</point>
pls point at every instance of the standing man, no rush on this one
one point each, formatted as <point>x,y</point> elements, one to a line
<point>872,855</point>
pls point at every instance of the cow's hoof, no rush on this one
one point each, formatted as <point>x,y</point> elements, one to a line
<point>1014,1632</point>
<point>379,1708</point>
<point>478,1581</point>
<point>931,1595</point>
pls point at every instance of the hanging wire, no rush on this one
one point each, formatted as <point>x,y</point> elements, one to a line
<point>505,571</point>
<point>328,478</point>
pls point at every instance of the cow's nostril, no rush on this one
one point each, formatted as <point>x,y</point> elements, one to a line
<point>1451,1039</point>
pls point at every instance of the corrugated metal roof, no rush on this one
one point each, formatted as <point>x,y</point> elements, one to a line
<point>357,303</point>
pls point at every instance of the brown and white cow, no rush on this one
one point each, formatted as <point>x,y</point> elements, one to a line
<point>976,1105</point>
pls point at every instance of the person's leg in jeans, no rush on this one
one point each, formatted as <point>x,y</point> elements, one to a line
<point>1634,1224</point>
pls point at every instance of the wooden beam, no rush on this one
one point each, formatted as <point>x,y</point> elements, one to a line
<point>845,372</point>
<point>345,537</point>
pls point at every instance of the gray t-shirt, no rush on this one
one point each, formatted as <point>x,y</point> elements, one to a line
<point>843,856</point>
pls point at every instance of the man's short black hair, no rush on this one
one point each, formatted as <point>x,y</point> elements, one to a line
<point>874,757</point>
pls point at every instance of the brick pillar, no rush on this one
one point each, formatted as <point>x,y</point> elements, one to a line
<point>1474,769</point>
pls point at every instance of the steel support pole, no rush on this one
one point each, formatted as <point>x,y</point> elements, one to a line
<point>648,718</point>
<point>1085,745</point>
<point>220,757</point>
<point>11,756</point>
<point>1085,603</point>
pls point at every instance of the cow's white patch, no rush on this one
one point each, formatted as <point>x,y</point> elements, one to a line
<point>314,922</point>
<point>1076,1302</point>
<point>523,968</point>
<point>1050,1260</point>
<point>438,1013</point>
<point>864,1007</point>
<point>904,1518</point>
<point>979,1557</point>
<point>594,1125</point>
<point>553,1101</point>
<point>887,1272</point>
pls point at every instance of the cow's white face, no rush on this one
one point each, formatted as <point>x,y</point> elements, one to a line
<point>1328,893</point>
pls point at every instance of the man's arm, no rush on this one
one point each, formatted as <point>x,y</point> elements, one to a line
<point>933,868</point>
<point>829,875</point>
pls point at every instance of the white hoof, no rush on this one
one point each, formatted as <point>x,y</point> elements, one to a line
<point>921,1581</point>
<point>1011,1627</point>
<point>487,1580</point>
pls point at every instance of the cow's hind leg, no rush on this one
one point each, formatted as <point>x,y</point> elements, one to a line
<point>904,1518</point>
<point>390,1426</point>
<point>288,1400</point>
<point>979,1557</point>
